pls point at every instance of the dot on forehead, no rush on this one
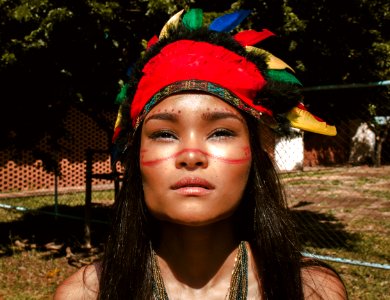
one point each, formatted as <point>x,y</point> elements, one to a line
<point>180,103</point>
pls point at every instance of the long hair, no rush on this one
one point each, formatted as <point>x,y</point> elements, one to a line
<point>126,265</point>
<point>264,221</point>
<point>270,228</point>
<point>262,216</point>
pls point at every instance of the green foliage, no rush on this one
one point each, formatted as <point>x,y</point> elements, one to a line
<point>25,270</point>
<point>168,6</point>
<point>56,54</point>
<point>292,21</point>
<point>381,51</point>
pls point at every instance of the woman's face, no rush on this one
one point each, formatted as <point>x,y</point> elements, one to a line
<point>195,159</point>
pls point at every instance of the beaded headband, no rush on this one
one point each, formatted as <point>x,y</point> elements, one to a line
<point>186,62</point>
<point>239,76</point>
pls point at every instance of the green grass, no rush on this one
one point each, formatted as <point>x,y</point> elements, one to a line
<point>34,272</point>
<point>31,275</point>
<point>316,173</point>
<point>365,181</point>
<point>72,199</point>
<point>380,194</point>
<point>330,197</point>
<point>335,182</point>
<point>363,282</point>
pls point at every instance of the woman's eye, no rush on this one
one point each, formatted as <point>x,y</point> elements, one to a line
<point>222,134</point>
<point>163,135</point>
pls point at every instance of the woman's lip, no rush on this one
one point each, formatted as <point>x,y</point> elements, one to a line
<point>192,191</point>
<point>192,182</point>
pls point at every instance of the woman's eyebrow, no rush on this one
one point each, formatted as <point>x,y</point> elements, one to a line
<point>165,116</point>
<point>218,115</point>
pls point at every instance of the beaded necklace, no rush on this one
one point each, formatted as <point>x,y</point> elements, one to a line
<point>238,288</point>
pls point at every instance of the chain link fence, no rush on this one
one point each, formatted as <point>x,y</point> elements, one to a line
<point>337,189</point>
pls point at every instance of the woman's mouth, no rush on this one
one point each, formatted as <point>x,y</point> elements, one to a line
<point>193,186</point>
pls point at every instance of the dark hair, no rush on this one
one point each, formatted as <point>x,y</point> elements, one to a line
<point>263,220</point>
<point>126,265</point>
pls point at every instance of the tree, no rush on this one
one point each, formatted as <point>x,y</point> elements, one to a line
<point>329,44</point>
<point>344,44</point>
<point>380,125</point>
<point>57,54</point>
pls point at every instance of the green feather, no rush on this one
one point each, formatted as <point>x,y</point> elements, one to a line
<point>193,19</point>
<point>283,76</point>
<point>122,94</point>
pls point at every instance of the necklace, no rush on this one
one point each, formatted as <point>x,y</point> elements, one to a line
<point>238,288</point>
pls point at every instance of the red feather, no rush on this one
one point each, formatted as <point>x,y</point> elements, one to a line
<point>252,37</point>
<point>152,41</point>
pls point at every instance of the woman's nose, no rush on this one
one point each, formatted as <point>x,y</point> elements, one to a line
<point>191,159</point>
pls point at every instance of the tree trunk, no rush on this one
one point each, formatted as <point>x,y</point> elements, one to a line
<point>380,139</point>
<point>378,153</point>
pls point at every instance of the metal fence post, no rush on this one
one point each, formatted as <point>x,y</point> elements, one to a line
<point>88,198</point>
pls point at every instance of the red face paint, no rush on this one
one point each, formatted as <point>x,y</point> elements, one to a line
<point>194,138</point>
<point>245,157</point>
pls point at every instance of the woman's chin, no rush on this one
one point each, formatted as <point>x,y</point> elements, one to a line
<point>193,220</point>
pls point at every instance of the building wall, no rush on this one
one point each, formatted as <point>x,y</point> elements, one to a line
<point>26,174</point>
<point>323,150</point>
<point>289,153</point>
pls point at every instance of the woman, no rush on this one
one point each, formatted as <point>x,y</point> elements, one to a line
<point>201,213</point>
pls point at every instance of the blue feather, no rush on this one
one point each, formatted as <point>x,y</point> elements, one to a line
<point>228,22</point>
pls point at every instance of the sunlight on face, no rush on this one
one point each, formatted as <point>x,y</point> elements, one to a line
<point>195,159</point>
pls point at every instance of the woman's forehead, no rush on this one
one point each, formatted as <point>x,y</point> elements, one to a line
<point>193,102</point>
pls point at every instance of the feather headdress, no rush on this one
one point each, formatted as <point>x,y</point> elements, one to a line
<point>189,57</point>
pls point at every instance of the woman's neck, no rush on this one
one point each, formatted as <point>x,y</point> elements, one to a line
<point>197,256</point>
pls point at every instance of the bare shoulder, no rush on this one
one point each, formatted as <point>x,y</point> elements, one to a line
<point>84,284</point>
<point>322,283</point>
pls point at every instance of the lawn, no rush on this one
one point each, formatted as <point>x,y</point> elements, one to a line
<point>340,212</point>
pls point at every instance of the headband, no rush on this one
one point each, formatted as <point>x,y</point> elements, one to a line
<point>185,65</point>
<point>234,75</point>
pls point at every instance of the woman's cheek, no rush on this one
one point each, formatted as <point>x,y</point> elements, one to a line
<point>234,154</point>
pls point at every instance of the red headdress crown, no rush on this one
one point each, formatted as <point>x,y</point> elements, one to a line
<point>190,64</point>
<point>190,61</point>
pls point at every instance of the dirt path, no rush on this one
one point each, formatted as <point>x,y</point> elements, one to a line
<point>348,193</point>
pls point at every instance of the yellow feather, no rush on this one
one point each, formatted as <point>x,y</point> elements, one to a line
<point>118,118</point>
<point>272,61</point>
<point>304,120</point>
<point>173,21</point>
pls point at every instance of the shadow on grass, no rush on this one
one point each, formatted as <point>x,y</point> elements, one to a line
<point>321,230</point>
<point>41,227</point>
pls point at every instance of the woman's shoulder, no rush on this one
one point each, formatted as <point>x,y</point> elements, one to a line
<point>321,282</point>
<point>84,284</point>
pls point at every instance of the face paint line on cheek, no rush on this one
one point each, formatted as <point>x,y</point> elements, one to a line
<point>247,151</point>
<point>150,163</point>
<point>247,157</point>
<point>142,154</point>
